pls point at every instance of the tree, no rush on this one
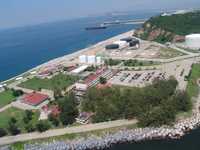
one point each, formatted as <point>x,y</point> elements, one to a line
<point>12,126</point>
<point>102,80</point>
<point>17,93</point>
<point>2,132</point>
<point>28,116</point>
<point>68,108</point>
<point>42,126</point>
<point>30,127</point>
<point>54,120</point>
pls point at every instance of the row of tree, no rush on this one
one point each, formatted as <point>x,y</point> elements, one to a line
<point>154,105</point>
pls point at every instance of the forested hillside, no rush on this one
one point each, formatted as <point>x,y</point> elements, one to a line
<point>170,28</point>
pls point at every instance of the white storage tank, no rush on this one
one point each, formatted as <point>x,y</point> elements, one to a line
<point>121,43</point>
<point>83,59</point>
<point>193,41</point>
<point>98,60</point>
<point>91,59</point>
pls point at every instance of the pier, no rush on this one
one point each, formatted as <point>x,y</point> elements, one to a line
<point>117,22</point>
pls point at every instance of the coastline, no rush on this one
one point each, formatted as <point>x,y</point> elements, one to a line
<point>60,60</point>
<point>135,135</point>
<point>122,136</point>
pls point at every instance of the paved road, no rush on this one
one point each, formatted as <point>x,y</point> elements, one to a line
<point>5,107</point>
<point>68,130</point>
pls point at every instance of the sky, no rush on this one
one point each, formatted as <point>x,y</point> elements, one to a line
<point>27,12</point>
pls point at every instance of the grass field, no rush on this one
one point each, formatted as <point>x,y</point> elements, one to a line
<point>7,114</point>
<point>136,63</point>
<point>192,87</point>
<point>18,115</point>
<point>167,53</point>
<point>59,81</point>
<point>6,97</point>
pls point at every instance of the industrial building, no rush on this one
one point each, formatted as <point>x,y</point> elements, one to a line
<point>193,41</point>
<point>123,43</point>
<point>79,69</point>
<point>34,99</point>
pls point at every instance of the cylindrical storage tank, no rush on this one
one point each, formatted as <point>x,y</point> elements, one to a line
<point>98,59</point>
<point>193,41</point>
<point>91,59</point>
<point>121,43</point>
<point>128,39</point>
<point>112,46</point>
<point>135,43</point>
<point>83,59</point>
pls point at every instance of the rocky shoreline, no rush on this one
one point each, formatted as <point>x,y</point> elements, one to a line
<point>123,136</point>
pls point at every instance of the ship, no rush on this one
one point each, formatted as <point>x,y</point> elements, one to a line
<point>96,27</point>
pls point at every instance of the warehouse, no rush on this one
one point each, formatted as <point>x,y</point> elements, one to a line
<point>79,69</point>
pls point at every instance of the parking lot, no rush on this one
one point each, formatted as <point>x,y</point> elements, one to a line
<point>136,78</point>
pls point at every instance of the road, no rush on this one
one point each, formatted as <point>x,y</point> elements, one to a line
<point>63,131</point>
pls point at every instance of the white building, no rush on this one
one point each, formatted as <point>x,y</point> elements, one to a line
<point>81,86</point>
<point>193,41</point>
<point>79,69</point>
<point>83,59</point>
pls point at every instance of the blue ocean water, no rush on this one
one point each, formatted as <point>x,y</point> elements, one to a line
<point>26,47</point>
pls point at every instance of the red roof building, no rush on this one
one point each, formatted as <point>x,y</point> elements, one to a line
<point>34,98</point>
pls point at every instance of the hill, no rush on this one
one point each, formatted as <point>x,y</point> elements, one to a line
<point>170,28</point>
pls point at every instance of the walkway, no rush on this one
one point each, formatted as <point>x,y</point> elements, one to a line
<point>68,130</point>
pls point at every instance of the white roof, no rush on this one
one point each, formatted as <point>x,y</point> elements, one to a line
<point>79,69</point>
<point>120,42</point>
<point>19,78</point>
<point>193,35</point>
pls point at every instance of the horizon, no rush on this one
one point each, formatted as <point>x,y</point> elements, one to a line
<point>33,12</point>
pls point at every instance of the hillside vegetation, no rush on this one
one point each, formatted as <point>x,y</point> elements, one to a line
<point>170,28</point>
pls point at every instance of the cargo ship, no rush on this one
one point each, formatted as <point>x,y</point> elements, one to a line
<point>96,28</point>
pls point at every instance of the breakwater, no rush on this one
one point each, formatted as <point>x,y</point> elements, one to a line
<point>123,136</point>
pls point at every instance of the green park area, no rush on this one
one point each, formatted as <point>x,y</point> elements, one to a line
<point>59,81</point>
<point>8,113</point>
<point>6,97</point>
<point>14,121</point>
<point>153,105</point>
<point>194,75</point>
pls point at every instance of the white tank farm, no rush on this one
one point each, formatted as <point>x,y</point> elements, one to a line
<point>193,41</point>
<point>91,59</point>
<point>83,59</point>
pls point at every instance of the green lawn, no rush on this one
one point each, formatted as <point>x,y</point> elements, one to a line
<point>136,63</point>
<point>18,115</point>
<point>192,87</point>
<point>167,53</point>
<point>6,97</point>
<point>7,114</point>
<point>59,81</point>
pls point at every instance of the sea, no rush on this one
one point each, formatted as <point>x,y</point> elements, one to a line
<point>26,47</point>
<point>189,142</point>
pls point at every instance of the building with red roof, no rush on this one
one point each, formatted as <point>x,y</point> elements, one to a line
<point>34,98</point>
